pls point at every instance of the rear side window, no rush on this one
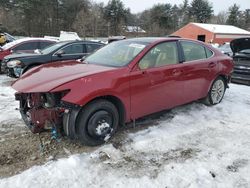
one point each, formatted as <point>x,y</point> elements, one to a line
<point>27,46</point>
<point>193,51</point>
<point>45,44</point>
<point>73,49</point>
<point>161,55</point>
<point>92,47</point>
<point>209,53</point>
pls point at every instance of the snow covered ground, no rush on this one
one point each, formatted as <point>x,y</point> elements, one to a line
<point>192,146</point>
<point>10,118</point>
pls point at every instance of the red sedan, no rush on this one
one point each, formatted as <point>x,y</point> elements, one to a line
<point>119,83</point>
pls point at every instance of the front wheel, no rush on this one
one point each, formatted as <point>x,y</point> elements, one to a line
<point>97,122</point>
<point>216,92</point>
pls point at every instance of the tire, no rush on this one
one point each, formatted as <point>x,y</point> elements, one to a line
<point>216,92</point>
<point>97,122</point>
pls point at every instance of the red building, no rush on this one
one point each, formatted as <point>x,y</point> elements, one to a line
<point>211,33</point>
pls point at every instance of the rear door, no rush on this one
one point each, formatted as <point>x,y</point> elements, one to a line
<point>157,82</point>
<point>199,69</point>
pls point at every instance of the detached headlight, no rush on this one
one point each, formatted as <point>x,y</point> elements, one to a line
<point>14,63</point>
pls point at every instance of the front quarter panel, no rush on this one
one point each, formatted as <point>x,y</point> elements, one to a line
<point>112,83</point>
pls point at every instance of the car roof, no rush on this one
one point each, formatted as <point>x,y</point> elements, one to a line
<point>152,39</point>
<point>78,41</point>
<point>34,38</point>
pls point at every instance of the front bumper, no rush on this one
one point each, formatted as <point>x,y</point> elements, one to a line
<point>38,118</point>
<point>3,66</point>
<point>13,72</point>
<point>35,115</point>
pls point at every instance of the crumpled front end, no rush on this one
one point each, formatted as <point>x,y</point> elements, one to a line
<point>41,111</point>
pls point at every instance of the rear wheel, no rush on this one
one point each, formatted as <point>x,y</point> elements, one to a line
<point>97,122</point>
<point>216,92</point>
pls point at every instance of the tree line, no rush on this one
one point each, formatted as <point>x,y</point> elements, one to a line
<point>92,19</point>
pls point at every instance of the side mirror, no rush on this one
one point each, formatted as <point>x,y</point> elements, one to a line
<point>83,58</point>
<point>60,53</point>
<point>37,51</point>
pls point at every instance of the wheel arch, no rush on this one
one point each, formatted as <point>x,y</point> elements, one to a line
<point>208,99</point>
<point>118,104</point>
<point>225,77</point>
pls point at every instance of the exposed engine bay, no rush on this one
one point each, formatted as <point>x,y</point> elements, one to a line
<point>41,111</point>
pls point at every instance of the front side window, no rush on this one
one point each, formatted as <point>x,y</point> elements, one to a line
<point>161,55</point>
<point>193,51</point>
<point>209,53</point>
<point>53,47</point>
<point>73,49</point>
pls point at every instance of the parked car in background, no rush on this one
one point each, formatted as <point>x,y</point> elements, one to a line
<point>17,64</point>
<point>2,39</point>
<point>24,45</point>
<point>6,38</point>
<point>115,38</point>
<point>226,49</point>
<point>241,57</point>
<point>9,38</point>
<point>122,81</point>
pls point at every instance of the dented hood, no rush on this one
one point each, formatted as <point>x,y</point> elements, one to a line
<point>240,44</point>
<point>47,77</point>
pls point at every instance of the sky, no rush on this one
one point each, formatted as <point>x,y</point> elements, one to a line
<point>218,5</point>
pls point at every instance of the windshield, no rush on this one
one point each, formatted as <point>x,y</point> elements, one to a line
<point>117,54</point>
<point>52,48</point>
<point>9,37</point>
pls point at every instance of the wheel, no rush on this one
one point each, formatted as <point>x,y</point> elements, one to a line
<point>216,92</point>
<point>97,122</point>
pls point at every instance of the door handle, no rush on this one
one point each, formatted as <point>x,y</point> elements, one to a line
<point>211,65</point>
<point>177,72</point>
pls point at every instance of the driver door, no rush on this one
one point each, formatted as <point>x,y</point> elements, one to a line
<point>70,52</point>
<point>157,82</point>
